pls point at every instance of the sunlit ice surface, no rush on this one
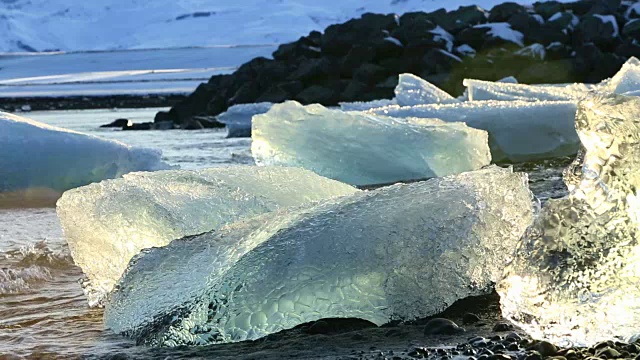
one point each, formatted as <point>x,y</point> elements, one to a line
<point>574,278</point>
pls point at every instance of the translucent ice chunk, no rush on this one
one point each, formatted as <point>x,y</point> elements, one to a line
<point>412,90</point>
<point>106,224</point>
<point>518,130</point>
<point>400,252</point>
<point>238,118</point>
<point>38,158</point>
<point>575,275</point>
<point>489,90</point>
<point>362,149</point>
<point>626,80</point>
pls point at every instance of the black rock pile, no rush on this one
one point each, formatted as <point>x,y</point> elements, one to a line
<point>359,60</point>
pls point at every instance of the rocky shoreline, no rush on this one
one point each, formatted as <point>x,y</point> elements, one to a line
<point>470,329</point>
<point>550,42</point>
<point>17,104</point>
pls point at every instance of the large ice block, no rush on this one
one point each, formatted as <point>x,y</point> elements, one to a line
<point>489,90</point>
<point>412,90</point>
<point>575,275</point>
<point>106,224</point>
<point>38,158</point>
<point>237,118</point>
<point>399,252</point>
<point>518,130</point>
<point>363,149</point>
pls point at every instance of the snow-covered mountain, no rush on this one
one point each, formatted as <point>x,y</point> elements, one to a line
<point>72,25</point>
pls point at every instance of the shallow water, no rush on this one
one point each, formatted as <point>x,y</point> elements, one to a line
<point>43,313</point>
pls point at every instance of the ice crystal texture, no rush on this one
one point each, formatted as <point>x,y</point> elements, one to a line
<point>399,252</point>
<point>575,275</point>
<point>106,224</point>
<point>412,90</point>
<point>362,149</point>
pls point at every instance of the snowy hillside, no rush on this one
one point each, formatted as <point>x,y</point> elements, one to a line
<point>71,25</point>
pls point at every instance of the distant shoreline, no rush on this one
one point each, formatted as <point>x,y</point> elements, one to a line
<point>42,103</point>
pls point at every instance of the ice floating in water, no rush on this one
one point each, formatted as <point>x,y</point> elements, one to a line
<point>412,90</point>
<point>575,275</point>
<point>400,252</point>
<point>41,160</point>
<point>106,224</point>
<point>363,149</point>
<point>489,90</point>
<point>518,130</point>
<point>238,118</point>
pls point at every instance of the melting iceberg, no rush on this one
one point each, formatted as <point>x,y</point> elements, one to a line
<point>399,252</point>
<point>68,159</point>
<point>106,224</point>
<point>237,118</point>
<point>489,90</point>
<point>363,149</point>
<point>575,275</point>
<point>412,90</point>
<point>518,130</point>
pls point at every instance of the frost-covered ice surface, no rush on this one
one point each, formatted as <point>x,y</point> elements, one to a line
<point>489,90</point>
<point>400,252</point>
<point>29,149</point>
<point>575,275</point>
<point>366,105</point>
<point>362,149</point>
<point>238,118</point>
<point>412,90</point>
<point>518,130</point>
<point>627,79</point>
<point>106,224</point>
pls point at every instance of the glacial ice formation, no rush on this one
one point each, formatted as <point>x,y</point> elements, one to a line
<point>518,130</point>
<point>106,224</point>
<point>412,90</point>
<point>238,118</point>
<point>38,158</point>
<point>399,252</point>
<point>489,90</point>
<point>363,149</point>
<point>575,275</point>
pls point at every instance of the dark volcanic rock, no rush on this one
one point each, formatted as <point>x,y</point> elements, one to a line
<point>461,18</point>
<point>317,94</point>
<point>338,39</point>
<point>335,326</point>
<point>595,29</point>
<point>545,348</point>
<point>440,326</point>
<point>503,12</point>
<point>632,29</point>
<point>117,123</point>
<point>548,8</point>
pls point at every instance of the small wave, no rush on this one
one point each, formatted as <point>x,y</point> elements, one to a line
<point>16,281</point>
<point>39,254</point>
